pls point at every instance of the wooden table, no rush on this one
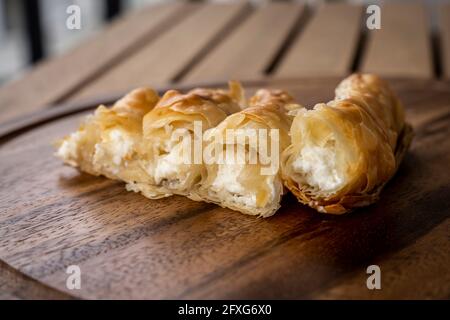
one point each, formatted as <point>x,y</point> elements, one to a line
<point>287,45</point>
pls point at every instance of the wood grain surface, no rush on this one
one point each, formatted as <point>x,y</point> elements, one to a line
<point>54,79</point>
<point>327,45</point>
<point>444,37</point>
<point>160,61</point>
<point>263,34</point>
<point>179,42</point>
<point>402,47</point>
<point>127,246</point>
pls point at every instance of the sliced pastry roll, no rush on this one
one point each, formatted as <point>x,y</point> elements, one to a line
<point>107,141</point>
<point>174,129</point>
<point>343,152</point>
<point>241,156</point>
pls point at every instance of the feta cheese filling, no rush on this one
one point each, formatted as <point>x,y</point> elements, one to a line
<point>120,145</point>
<point>69,147</point>
<point>318,167</point>
<point>111,151</point>
<point>227,179</point>
<point>167,166</point>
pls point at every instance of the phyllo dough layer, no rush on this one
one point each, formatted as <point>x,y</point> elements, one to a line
<point>213,145</point>
<point>250,187</point>
<point>107,141</point>
<point>167,126</point>
<point>344,151</point>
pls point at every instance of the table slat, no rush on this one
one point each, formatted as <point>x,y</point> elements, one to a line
<point>327,45</point>
<point>252,47</point>
<point>57,77</point>
<point>402,47</point>
<point>160,61</point>
<point>444,28</point>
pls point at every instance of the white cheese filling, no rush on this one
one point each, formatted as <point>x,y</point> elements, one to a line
<point>112,150</point>
<point>172,165</point>
<point>318,167</point>
<point>120,145</point>
<point>69,148</point>
<point>227,179</point>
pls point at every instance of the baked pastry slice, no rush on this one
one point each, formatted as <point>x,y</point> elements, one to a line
<point>241,174</point>
<point>173,129</point>
<point>343,152</point>
<point>107,141</point>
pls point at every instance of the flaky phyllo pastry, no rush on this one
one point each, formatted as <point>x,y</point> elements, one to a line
<point>249,181</point>
<point>213,145</point>
<point>165,129</point>
<point>133,141</point>
<point>107,141</point>
<point>343,152</point>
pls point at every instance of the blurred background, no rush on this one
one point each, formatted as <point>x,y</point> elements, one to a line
<point>33,30</point>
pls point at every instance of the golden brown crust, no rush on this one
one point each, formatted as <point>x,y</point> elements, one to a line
<point>351,201</point>
<point>367,121</point>
<point>132,138</point>
<point>81,149</point>
<point>124,141</point>
<point>179,111</point>
<point>267,110</point>
<point>139,101</point>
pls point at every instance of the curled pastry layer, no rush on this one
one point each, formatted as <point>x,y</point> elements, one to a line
<point>107,141</point>
<point>169,132</point>
<point>242,172</point>
<point>343,152</point>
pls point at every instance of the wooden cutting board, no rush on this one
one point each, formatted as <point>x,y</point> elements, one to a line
<point>127,246</point>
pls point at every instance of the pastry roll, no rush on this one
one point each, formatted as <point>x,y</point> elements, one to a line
<point>242,172</point>
<point>343,152</point>
<point>173,129</point>
<point>107,141</point>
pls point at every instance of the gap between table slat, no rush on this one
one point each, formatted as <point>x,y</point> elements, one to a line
<point>327,46</point>
<point>160,61</point>
<point>51,81</point>
<point>402,47</point>
<point>249,50</point>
